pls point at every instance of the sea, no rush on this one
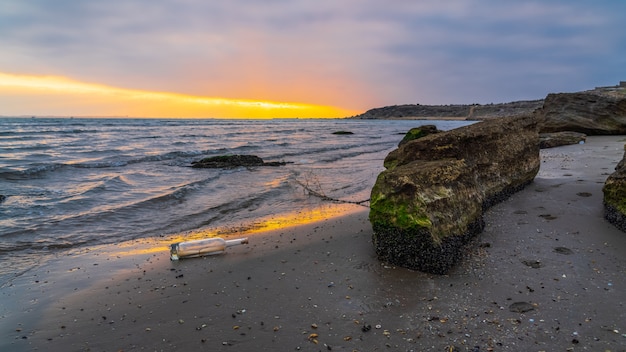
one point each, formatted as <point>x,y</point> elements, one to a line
<point>72,183</point>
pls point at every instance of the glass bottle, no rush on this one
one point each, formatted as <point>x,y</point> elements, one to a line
<point>198,248</point>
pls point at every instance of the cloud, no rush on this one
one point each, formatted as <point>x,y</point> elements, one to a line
<point>355,54</point>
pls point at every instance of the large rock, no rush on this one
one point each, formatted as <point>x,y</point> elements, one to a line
<point>615,196</point>
<point>430,200</point>
<point>599,111</point>
<point>557,139</point>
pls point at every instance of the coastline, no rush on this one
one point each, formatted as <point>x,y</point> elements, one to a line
<point>426,118</point>
<point>547,273</point>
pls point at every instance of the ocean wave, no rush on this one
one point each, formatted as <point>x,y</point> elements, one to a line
<point>233,210</point>
<point>52,132</point>
<point>331,153</point>
<point>27,148</point>
<point>40,244</point>
<point>106,223</point>
<point>115,161</point>
<point>353,152</point>
<point>77,131</point>
<point>148,137</point>
<point>31,171</point>
<point>95,189</point>
<point>123,160</point>
<point>40,169</point>
<point>185,135</point>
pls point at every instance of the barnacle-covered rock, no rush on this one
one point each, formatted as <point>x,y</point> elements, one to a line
<point>615,196</point>
<point>430,200</point>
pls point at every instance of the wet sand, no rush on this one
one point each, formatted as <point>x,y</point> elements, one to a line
<point>547,274</point>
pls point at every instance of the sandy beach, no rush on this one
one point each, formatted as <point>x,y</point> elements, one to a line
<point>547,274</point>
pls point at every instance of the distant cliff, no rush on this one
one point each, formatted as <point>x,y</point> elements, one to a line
<point>459,112</point>
<point>597,111</point>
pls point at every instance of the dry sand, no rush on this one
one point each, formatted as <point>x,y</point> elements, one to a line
<point>547,274</point>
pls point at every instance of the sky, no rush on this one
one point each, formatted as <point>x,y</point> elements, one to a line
<point>298,58</point>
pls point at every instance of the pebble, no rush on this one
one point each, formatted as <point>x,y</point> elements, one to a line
<point>521,307</point>
<point>563,250</point>
<point>535,264</point>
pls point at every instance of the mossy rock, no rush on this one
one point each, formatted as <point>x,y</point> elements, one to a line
<point>615,196</point>
<point>435,196</point>
<point>418,132</point>
<point>430,200</point>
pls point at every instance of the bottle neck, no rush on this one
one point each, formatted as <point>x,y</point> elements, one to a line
<point>230,243</point>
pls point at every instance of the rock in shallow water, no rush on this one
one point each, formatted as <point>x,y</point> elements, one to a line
<point>232,161</point>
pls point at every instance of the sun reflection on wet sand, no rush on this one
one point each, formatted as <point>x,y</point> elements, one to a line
<point>152,245</point>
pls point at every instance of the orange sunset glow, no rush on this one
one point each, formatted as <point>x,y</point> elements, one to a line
<point>60,96</point>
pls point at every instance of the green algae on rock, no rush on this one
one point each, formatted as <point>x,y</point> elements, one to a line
<point>430,200</point>
<point>615,195</point>
<point>418,132</point>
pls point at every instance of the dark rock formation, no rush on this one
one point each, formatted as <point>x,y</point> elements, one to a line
<point>415,111</point>
<point>232,161</point>
<point>615,196</point>
<point>430,200</point>
<point>515,108</point>
<point>557,139</point>
<point>594,112</point>
<point>418,132</point>
<point>343,132</point>
<point>458,111</point>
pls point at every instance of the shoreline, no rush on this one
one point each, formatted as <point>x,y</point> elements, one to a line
<point>420,118</point>
<point>547,273</point>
